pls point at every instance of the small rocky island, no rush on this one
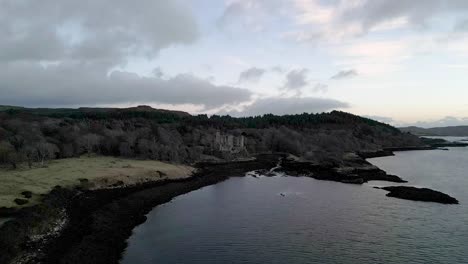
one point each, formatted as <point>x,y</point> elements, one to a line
<point>419,194</point>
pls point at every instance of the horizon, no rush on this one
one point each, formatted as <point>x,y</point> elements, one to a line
<point>397,62</point>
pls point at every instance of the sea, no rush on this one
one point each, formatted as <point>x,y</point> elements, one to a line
<point>285,219</point>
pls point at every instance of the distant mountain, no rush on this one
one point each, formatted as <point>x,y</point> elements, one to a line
<point>455,131</point>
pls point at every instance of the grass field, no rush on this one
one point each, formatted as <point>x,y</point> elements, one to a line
<point>100,172</point>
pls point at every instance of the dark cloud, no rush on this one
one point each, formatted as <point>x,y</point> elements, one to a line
<point>60,53</point>
<point>251,75</point>
<point>344,74</point>
<point>88,84</point>
<point>92,30</point>
<point>296,79</point>
<point>292,105</point>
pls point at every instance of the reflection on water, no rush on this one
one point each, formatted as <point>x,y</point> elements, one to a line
<point>302,220</point>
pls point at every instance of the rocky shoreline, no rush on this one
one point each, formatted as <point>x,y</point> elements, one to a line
<point>79,226</point>
<point>82,226</point>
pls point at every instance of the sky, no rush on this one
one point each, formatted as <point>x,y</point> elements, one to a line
<point>400,62</point>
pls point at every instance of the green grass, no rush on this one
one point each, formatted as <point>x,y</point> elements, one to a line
<point>101,172</point>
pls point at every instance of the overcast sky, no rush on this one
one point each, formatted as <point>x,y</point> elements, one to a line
<point>399,61</point>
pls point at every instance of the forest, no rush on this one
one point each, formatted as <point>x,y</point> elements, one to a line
<point>31,137</point>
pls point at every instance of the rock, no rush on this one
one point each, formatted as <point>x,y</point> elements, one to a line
<point>118,184</point>
<point>353,172</point>
<point>419,194</point>
<point>27,194</point>
<point>375,154</point>
<point>19,201</point>
<point>353,180</point>
<point>83,180</point>
<point>161,174</point>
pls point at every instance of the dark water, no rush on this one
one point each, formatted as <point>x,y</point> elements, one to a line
<point>247,220</point>
<point>4,220</point>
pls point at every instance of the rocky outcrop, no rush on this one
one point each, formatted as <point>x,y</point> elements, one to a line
<point>419,194</point>
<point>354,172</point>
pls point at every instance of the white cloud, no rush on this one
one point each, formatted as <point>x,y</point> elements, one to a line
<point>320,87</point>
<point>290,105</point>
<point>446,121</point>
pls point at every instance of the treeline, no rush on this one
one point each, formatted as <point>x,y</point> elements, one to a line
<point>305,120</point>
<point>223,122</point>
<point>32,138</point>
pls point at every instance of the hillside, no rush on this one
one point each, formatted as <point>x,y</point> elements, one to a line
<point>455,131</point>
<point>33,136</point>
<point>93,112</point>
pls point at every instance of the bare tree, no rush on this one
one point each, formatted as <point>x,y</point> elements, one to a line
<point>30,154</point>
<point>45,151</point>
<point>89,142</point>
<point>8,154</point>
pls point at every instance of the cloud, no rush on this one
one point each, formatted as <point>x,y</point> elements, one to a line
<point>158,73</point>
<point>344,74</point>
<point>278,69</point>
<point>383,119</point>
<point>296,79</point>
<point>320,87</point>
<point>250,15</point>
<point>64,54</point>
<point>461,25</point>
<point>371,13</point>
<point>291,105</point>
<point>339,20</point>
<point>105,30</point>
<point>446,121</point>
<point>251,75</point>
<point>66,84</point>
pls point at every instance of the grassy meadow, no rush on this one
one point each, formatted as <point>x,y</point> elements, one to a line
<point>97,172</point>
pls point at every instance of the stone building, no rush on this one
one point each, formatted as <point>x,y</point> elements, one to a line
<point>229,143</point>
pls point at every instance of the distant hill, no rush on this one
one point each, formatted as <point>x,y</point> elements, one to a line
<point>95,112</point>
<point>455,131</point>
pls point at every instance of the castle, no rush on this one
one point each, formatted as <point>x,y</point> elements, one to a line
<point>229,143</point>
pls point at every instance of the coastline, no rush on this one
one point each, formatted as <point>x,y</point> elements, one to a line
<point>76,226</point>
<point>92,226</point>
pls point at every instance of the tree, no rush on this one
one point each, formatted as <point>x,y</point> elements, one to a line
<point>17,142</point>
<point>8,154</point>
<point>46,151</point>
<point>89,142</point>
<point>30,154</point>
